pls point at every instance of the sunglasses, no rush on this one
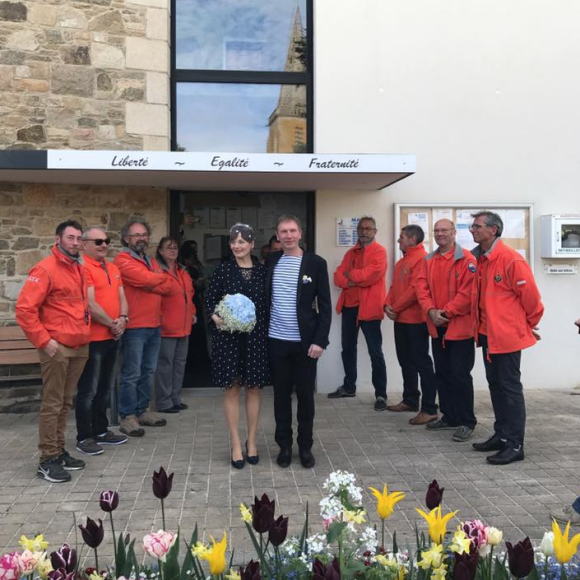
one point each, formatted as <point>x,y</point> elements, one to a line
<point>100,241</point>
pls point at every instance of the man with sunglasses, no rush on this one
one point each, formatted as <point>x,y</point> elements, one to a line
<point>110,313</point>
<point>144,284</point>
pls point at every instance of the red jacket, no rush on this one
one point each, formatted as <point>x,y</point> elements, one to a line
<point>370,278</point>
<point>53,302</point>
<point>177,307</point>
<point>144,284</point>
<point>402,298</point>
<point>456,282</point>
<point>513,302</point>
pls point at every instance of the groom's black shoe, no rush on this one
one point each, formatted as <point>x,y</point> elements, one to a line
<point>284,458</point>
<point>507,455</point>
<point>494,443</point>
<point>307,459</point>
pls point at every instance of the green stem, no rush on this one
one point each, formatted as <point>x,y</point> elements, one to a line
<point>114,542</point>
<point>159,562</point>
<point>163,515</point>
<point>96,561</point>
<point>276,560</point>
<point>383,533</point>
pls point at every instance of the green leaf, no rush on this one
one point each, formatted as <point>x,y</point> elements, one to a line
<point>188,561</point>
<point>171,570</point>
<point>120,556</point>
<point>266,573</point>
<point>334,531</point>
<point>304,533</point>
<point>395,545</point>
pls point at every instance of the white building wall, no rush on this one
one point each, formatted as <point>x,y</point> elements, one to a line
<point>486,95</point>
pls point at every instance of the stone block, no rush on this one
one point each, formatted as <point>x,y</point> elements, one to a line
<point>32,85</point>
<point>106,56</point>
<point>75,54</point>
<point>61,118</point>
<point>157,24</point>
<point>6,76</point>
<point>69,17</point>
<point>104,82</point>
<point>20,72</point>
<point>12,57</point>
<point>39,195</point>
<point>110,21</point>
<point>32,134</point>
<point>151,143</point>
<point>151,3</point>
<point>13,11</point>
<point>25,261</point>
<point>151,199</point>
<point>130,90</point>
<point>145,54</point>
<point>25,243</point>
<point>73,80</point>
<point>157,88</point>
<point>22,40</point>
<point>144,119</point>
<point>42,14</point>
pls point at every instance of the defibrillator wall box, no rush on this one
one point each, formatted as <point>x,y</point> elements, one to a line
<point>560,236</point>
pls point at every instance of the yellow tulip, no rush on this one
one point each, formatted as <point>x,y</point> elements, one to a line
<point>386,501</point>
<point>439,573</point>
<point>216,556</point>
<point>246,513</point>
<point>437,523</point>
<point>36,544</point>
<point>564,549</point>
<point>432,558</point>
<point>460,544</point>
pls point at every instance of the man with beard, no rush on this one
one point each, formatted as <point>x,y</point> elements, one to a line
<point>52,310</point>
<point>144,284</point>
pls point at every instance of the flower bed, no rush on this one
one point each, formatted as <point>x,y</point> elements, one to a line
<point>347,546</point>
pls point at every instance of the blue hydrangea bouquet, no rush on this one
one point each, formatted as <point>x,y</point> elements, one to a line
<point>238,313</point>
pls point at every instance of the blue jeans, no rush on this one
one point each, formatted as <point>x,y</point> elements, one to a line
<point>576,505</point>
<point>140,349</point>
<point>94,389</point>
<point>372,332</point>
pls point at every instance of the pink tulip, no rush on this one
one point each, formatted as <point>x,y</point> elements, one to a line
<point>28,561</point>
<point>158,544</point>
<point>10,566</point>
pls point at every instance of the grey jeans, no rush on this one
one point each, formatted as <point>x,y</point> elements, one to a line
<point>170,371</point>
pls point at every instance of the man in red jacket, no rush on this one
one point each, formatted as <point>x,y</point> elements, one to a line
<point>444,287</point>
<point>52,310</point>
<point>145,283</point>
<point>506,310</point>
<point>411,334</point>
<point>361,275</point>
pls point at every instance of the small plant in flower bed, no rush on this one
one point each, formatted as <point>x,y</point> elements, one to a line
<point>346,547</point>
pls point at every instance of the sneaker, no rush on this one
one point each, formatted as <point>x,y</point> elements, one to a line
<point>463,433</point>
<point>566,514</point>
<point>110,438</point>
<point>89,447</point>
<point>130,426</point>
<point>440,425</point>
<point>150,419</point>
<point>381,404</point>
<point>69,462</point>
<point>53,471</point>
<point>340,393</point>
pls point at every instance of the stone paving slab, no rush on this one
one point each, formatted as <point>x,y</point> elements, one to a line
<point>378,447</point>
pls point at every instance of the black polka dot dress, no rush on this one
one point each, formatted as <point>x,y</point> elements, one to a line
<point>239,357</point>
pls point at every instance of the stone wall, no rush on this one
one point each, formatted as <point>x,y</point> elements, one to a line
<point>84,74</point>
<point>29,214</point>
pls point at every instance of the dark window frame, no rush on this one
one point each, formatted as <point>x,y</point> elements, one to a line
<point>245,77</point>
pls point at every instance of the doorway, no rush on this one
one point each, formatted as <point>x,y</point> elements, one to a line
<point>202,221</point>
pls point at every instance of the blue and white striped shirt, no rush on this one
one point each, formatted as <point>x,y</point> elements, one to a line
<point>283,318</point>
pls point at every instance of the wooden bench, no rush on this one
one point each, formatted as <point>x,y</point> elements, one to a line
<point>16,350</point>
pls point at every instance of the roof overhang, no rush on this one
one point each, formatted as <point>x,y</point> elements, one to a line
<point>207,171</point>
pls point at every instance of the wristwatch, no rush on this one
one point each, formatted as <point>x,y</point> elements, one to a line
<point>125,317</point>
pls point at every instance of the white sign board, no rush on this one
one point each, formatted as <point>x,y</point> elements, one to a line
<point>346,234</point>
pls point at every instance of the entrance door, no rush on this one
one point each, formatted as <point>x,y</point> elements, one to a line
<point>203,221</point>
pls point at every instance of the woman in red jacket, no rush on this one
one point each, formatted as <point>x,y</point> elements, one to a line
<point>177,317</point>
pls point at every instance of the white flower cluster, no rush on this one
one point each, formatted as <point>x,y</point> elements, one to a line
<point>317,544</point>
<point>238,313</point>
<point>368,540</point>
<point>330,508</point>
<point>342,480</point>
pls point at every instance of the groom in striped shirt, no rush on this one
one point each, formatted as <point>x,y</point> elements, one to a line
<point>300,315</point>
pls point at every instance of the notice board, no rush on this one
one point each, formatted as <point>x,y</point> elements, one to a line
<point>517,220</point>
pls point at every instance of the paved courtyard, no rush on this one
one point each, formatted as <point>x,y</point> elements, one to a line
<point>378,447</point>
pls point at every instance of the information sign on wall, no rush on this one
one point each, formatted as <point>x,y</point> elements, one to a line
<point>346,231</point>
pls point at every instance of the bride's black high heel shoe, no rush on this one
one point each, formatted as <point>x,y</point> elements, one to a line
<point>237,463</point>
<point>252,459</point>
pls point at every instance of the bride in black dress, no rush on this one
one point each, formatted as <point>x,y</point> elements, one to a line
<point>240,359</point>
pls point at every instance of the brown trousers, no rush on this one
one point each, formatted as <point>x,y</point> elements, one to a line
<point>60,375</point>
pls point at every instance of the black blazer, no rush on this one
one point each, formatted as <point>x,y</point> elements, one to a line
<point>313,306</point>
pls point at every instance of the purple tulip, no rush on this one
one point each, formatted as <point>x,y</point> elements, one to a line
<point>60,574</point>
<point>434,495</point>
<point>466,564</point>
<point>520,558</point>
<point>162,483</point>
<point>251,572</point>
<point>322,571</point>
<point>65,557</point>
<point>109,501</point>
<point>263,514</point>
<point>278,531</point>
<point>92,533</point>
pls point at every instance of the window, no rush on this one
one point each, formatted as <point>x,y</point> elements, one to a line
<point>242,76</point>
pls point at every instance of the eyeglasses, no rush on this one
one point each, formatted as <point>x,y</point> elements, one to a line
<point>138,235</point>
<point>171,248</point>
<point>100,241</point>
<point>476,226</point>
<point>366,229</point>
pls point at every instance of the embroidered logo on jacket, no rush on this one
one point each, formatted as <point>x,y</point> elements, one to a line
<point>498,278</point>
<point>472,267</point>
